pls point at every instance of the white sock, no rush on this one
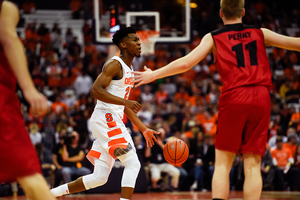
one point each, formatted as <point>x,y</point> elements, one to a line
<point>60,190</point>
<point>124,199</point>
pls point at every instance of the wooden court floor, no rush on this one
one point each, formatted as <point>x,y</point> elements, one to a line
<point>172,196</point>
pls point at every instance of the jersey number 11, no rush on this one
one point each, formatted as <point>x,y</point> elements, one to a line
<point>239,51</point>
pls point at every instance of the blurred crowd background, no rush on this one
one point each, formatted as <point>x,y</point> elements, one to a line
<point>183,106</point>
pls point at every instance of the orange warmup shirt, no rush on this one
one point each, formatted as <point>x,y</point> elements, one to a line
<point>282,156</point>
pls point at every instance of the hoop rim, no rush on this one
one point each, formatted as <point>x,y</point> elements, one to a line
<point>145,35</point>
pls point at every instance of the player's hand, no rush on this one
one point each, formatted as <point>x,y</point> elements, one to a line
<point>133,105</point>
<point>37,101</point>
<point>143,77</point>
<point>149,137</point>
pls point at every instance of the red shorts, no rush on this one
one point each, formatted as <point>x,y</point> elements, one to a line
<point>244,115</point>
<point>17,154</point>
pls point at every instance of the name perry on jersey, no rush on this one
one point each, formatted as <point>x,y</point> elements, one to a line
<point>238,36</point>
<point>129,81</point>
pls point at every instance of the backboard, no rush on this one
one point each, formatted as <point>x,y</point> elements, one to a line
<point>170,18</point>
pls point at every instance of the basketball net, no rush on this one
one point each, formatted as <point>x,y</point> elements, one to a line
<point>148,40</point>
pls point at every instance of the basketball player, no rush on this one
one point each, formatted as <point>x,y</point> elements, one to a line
<point>111,89</point>
<point>244,106</point>
<point>18,157</point>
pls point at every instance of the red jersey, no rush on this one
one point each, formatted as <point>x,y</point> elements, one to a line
<point>17,153</point>
<point>241,57</point>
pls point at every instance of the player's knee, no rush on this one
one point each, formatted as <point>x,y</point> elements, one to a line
<point>134,165</point>
<point>132,168</point>
<point>95,182</point>
<point>97,178</point>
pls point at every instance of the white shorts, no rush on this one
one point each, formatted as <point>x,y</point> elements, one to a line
<point>110,132</point>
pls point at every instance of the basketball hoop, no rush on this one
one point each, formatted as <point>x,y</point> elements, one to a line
<point>148,40</point>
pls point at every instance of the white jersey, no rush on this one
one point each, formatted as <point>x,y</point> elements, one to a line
<point>120,88</point>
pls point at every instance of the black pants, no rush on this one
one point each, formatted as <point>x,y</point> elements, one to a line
<point>291,178</point>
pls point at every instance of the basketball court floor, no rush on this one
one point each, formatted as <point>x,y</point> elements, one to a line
<point>172,196</point>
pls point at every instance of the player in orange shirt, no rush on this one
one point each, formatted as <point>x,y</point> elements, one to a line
<point>283,159</point>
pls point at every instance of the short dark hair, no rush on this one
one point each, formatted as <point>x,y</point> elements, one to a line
<point>279,139</point>
<point>122,33</point>
<point>232,8</point>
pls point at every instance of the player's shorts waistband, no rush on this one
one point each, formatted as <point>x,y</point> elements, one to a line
<point>244,95</point>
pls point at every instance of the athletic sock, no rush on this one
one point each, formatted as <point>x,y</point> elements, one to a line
<point>60,190</point>
<point>124,199</point>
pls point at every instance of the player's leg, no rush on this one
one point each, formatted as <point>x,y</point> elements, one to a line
<point>82,171</point>
<point>220,182</point>
<point>254,141</point>
<point>35,187</point>
<point>253,180</point>
<point>97,178</point>
<point>131,170</point>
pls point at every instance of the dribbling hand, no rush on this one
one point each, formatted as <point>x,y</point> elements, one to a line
<point>37,101</point>
<point>149,137</point>
<point>133,105</point>
<point>143,77</point>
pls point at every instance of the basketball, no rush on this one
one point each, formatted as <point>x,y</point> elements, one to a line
<point>176,151</point>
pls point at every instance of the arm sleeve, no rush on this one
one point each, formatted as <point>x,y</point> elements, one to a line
<point>274,162</point>
<point>291,160</point>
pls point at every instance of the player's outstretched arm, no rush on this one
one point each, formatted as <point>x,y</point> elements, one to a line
<point>281,41</point>
<point>178,66</point>
<point>103,80</point>
<point>14,52</point>
<point>148,133</point>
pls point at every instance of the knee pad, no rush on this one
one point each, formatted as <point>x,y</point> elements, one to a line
<point>98,177</point>
<point>132,168</point>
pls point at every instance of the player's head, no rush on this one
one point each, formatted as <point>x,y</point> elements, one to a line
<point>232,9</point>
<point>279,142</point>
<point>127,40</point>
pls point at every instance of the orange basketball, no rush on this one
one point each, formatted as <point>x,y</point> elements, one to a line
<point>176,151</point>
